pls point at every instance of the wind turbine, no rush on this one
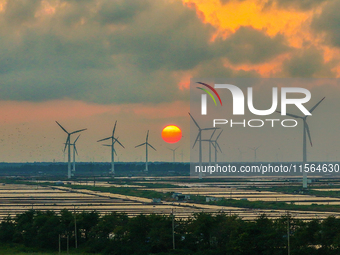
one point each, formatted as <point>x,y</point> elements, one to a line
<point>68,144</point>
<point>305,131</point>
<point>210,143</point>
<point>255,149</point>
<point>146,150</point>
<point>113,141</point>
<point>74,154</point>
<point>199,138</point>
<point>215,144</point>
<point>173,154</point>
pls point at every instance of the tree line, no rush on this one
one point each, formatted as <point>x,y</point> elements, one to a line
<point>203,233</point>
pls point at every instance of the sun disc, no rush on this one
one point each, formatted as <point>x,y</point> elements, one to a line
<point>171,134</point>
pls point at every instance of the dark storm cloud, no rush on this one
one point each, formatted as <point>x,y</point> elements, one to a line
<point>117,51</point>
<point>120,11</point>
<point>216,69</point>
<point>248,45</point>
<point>169,36</point>
<point>329,23</point>
<point>303,5</point>
<point>76,55</point>
<point>308,63</point>
<point>20,11</point>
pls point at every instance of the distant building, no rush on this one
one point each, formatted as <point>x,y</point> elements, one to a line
<point>212,199</point>
<point>157,200</point>
<point>175,194</point>
<point>180,196</point>
<point>59,183</point>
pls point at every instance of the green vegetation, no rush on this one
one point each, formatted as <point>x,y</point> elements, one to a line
<point>276,205</point>
<point>125,191</point>
<point>213,234</point>
<point>22,250</point>
<point>298,190</point>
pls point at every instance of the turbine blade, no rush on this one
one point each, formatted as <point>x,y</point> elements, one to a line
<point>119,142</point>
<point>140,145</point>
<point>147,136</point>
<point>209,128</point>
<point>316,105</point>
<point>114,128</point>
<point>67,142</point>
<point>218,146</point>
<point>78,131</point>
<point>213,144</point>
<point>75,148</point>
<point>257,147</point>
<point>196,138</point>
<point>104,139</point>
<point>62,127</point>
<point>151,146</point>
<point>107,145</point>
<point>195,121</point>
<point>76,139</point>
<point>212,134</point>
<point>307,129</point>
<point>219,135</point>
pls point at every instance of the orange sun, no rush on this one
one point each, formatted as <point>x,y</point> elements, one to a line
<point>171,134</point>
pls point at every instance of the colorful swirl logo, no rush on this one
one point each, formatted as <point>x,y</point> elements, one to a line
<point>209,93</point>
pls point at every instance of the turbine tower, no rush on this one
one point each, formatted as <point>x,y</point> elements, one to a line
<point>146,150</point>
<point>173,154</point>
<point>74,155</point>
<point>68,144</point>
<point>305,133</point>
<point>210,143</point>
<point>113,151</point>
<point>199,138</point>
<point>255,149</point>
<point>215,144</point>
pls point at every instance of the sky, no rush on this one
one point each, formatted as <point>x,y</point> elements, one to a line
<point>89,63</point>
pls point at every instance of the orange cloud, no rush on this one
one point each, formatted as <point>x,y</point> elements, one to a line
<point>293,23</point>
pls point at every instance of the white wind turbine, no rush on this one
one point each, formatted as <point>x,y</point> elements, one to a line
<point>146,150</point>
<point>255,150</point>
<point>199,139</point>
<point>74,155</point>
<point>173,154</point>
<point>68,144</point>
<point>215,144</point>
<point>304,146</point>
<point>113,151</point>
<point>210,143</point>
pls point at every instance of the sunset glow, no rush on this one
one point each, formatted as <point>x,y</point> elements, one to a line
<point>171,134</point>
